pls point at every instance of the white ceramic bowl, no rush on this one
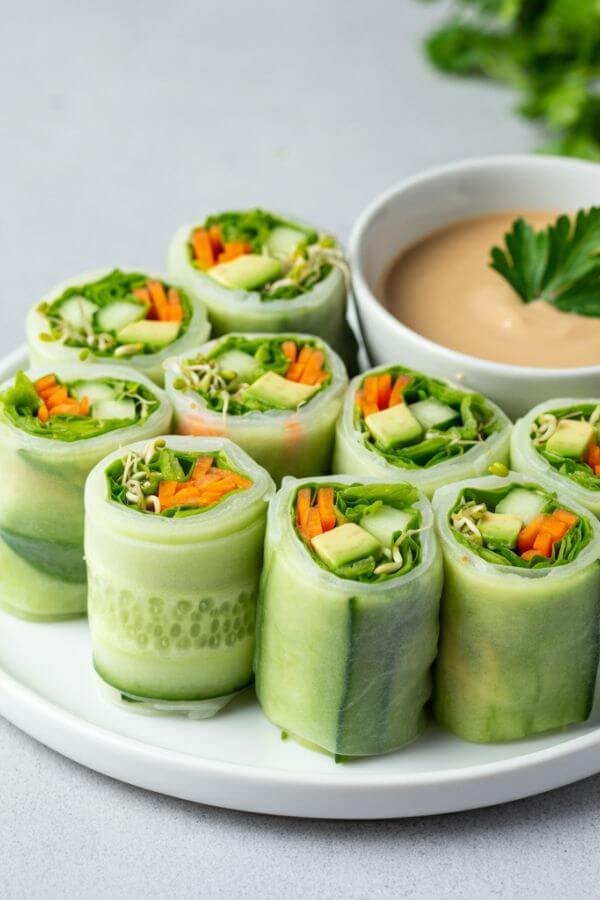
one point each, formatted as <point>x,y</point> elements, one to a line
<point>438,197</point>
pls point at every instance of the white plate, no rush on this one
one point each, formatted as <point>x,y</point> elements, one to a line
<point>237,759</point>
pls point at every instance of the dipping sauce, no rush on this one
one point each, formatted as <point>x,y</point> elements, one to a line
<point>442,287</point>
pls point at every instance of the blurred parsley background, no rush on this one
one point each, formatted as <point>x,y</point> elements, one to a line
<point>547,50</point>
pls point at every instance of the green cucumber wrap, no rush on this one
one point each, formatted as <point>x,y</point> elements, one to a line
<point>555,473</point>
<point>294,442</point>
<point>320,310</point>
<point>440,456</point>
<point>42,572</point>
<point>519,646</point>
<point>46,350</point>
<point>172,600</point>
<point>341,664</point>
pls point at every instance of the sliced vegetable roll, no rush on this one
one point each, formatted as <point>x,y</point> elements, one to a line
<point>54,427</point>
<point>520,610</point>
<point>256,271</point>
<point>558,443</point>
<point>174,542</point>
<point>119,317</point>
<point>278,397</point>
<point>401,424</point>
<point>348,614</point>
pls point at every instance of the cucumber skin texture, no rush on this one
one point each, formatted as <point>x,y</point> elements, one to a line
<point>28,593</point>
<point>346,671</point>
<point>174,621</point>
<point>515,662</point>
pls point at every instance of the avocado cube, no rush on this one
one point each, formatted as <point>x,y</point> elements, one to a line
<point>571,439</point>
<point>502,527</point>
<point>394,427</point>
<point>148,331</point>
<point>247,272</point>
<point>386,523</point>
<point>345,544</point>
<point>278,392</point>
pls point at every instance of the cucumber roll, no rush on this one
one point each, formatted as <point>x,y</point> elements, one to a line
<point>54,427</point>
<point>174,543</point>
<point>277,396</point>
<point>400,424</point>
<point>348,614</point>
<point>131,318</point>
<point>520,609</point>
<point>256,271</point>
<point>558,443</point>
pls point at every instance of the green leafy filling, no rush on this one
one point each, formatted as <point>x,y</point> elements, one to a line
<point>477,422</point>
<point>548,51</point>
<point>574,469</point>
<point>115,287</point>
<point>352,504</point>
<point>223,389</point>
<point>559,264</point>
<point>164,464</point>
<point>20,402</point>
<point>565,551</point>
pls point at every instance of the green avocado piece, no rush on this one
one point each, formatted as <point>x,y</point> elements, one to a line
<point>247,272</point>
<point>148,331</point>
<point>394,427</point>
<point>278,392</point>
<point>502,527</point>
<point>284,241</point>
<point>571,438</point>
<point>345,544</point>
<point>386,523</point>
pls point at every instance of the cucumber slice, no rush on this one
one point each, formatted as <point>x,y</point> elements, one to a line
<point>386,523</point>
<point>242,363</point>
<point>114,409</point>
<point>431,413</point>
<point>117,315</point>
<point>77,311</point>
<point>284,241</point>
<point>522,503</point>
<point>93,390</point>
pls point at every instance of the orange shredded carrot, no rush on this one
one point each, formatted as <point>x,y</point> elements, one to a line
<point>555,527</point>
<point>597,470</point>
<point>69,408</point>
<point>143,294</point>
<point>400,385</point>
<point>528,534</point>
<point>57,396</point>
<point>232,250</point>
<point>543,543</point>
<point>313,368</point>
<point>175,306</point>
<point>290,350</point>
<point>313,525</point>
<point>214,234</point>
<point>529,554</point>
<point>42,413</point>
<point>303,502</point>
<point>384,390</point>
<point>563,515</point>
<point>294,371</point>
<point>167,490</point>
<point>201,467</point>
<point>203,248</point>
<point>592,457</point>
<point>84,406</point>
<point>326,508</point>
<point>159,300</point>
<point>47,381</point>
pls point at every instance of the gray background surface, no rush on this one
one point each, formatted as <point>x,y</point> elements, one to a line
<point>118,121</point>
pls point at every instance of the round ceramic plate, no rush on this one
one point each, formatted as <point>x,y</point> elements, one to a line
<point>238,760</point>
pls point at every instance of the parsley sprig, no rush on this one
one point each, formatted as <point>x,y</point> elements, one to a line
<point>560,264</point>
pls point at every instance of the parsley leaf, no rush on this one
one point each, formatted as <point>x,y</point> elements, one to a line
<point>560,264</point>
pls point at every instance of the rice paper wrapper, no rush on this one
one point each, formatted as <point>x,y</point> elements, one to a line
<point>351,455</point>
<point>286,442</point>
<point>343,665</point>
<point>172,600</point>
<point>42,572</point>
<point>52,353</point>
<point>518,648</point>
<point>526,459</point>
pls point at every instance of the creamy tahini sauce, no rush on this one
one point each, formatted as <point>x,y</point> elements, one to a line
<point>442,287</point>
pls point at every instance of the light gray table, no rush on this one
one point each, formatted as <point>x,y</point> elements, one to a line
<point>118,121</point>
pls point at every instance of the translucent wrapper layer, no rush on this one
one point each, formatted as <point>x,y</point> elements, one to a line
<point>518,647</point>
<point>352,456</point>
<point>320,311</point>
<point>525,457</point>
<point>286,442</point>
<point>55,352</point>
<point>341,664</point>
<point>172,600</point>
<point>42,572</point>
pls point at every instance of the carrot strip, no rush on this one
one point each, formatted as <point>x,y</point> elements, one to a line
<point>166,490</point>
<point>47,381</point>
<point>597,470</point>
<point>529,554</point>
<point>593,456</point>
<point>58,395</point>
<point>143,294</point>
<point>232,250</point>
<point>370,389</point>
<point>290,350</point>
<point>563,515</point>
<point>326,508</point>
<point>400,385</point>
<point>313,525</point>
<point>303,502</point>
<point>214,234</point>
<point>555,527</point>
<point>528,534</point>
<point>543,543</point>
<point>42,413</point>
<point>294,371</point>
<point>201,467</point>
<point>70,408</point>
<point>384,390</point>
<point>84,406</point>
<point>321,377</point>
<point>203,248</point>
<point>159,300</point>
<point>312,368</point>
